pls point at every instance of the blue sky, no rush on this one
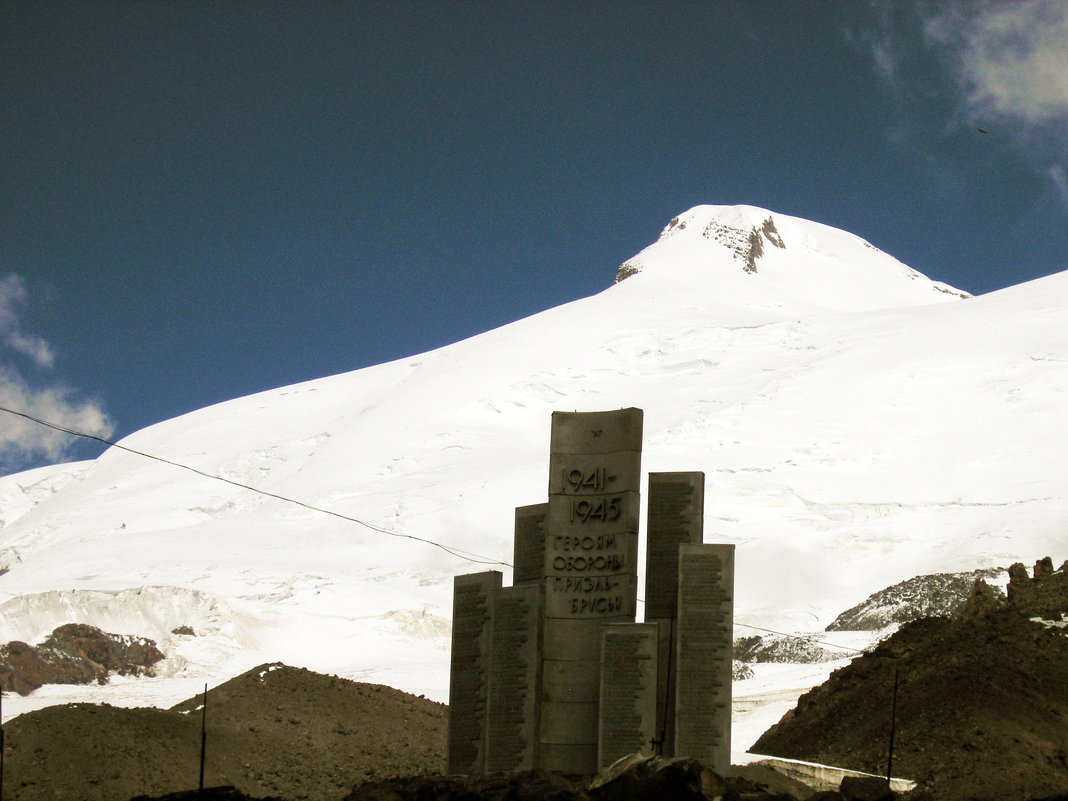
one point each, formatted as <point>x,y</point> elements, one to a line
<point>201,200</point>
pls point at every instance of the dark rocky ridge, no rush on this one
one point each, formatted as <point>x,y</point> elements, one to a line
<point>784,648</point>
<point>74,654</point>
<point>274,731</point>
<point>982,709</point>
<point>933,595</point>
<point>745,243</point>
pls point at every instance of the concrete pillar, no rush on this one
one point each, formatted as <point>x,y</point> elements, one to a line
<point>515,679</point>
<point>469,671</point>
<point>590,573</point>
<point>675,516</point>
<point>528,547</point>
<point>703,655</point>
<point>628,691</point>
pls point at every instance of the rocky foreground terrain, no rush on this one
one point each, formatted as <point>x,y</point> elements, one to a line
<point>981,700</point>
<point>981,713</point>
<point>272,732</point>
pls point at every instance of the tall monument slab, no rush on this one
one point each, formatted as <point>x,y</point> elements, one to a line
<point>514,679</point>
<point>628,690</point>
<point>528,547</point>
<point>703,655</point>
<point>470,671</point>
<point>675,517</point>
<point>590,570</point>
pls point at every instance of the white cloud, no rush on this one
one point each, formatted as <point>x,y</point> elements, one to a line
<point>22,441</point>
<point>13,295</point>
<point>1006,62</point>
<point>1012,58</point>
<point>885,60</point>
<point>1059,177</point>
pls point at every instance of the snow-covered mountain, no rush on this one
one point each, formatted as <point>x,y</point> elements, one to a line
<point>858,424</point>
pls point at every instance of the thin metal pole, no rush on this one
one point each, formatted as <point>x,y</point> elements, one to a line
<point>1,745</point>
<point>893,727</point>
<point>203,739</point>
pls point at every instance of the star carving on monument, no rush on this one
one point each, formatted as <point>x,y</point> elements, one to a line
<point>598,432</point>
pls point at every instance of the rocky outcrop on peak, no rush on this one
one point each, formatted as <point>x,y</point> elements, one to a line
<point>934,595</point>
<point>745,243</point>
<point>627,269</point>
<point>75,654</point>
<point>729,229</point>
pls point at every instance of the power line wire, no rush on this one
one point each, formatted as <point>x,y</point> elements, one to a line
<point>804,637</point>
<point>468,556</point>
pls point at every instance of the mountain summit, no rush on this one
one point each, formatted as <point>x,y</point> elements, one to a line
<point>857,424</point>
<point>784,258</point>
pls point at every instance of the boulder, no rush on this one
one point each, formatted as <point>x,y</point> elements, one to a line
<point>74,654</point>
<point>865,788</point>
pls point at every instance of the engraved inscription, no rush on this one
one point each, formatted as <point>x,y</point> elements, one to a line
<point>529,546</point>
<point>628,687</point>
<point>603,542</point>
<point>675,515</point>
<point>596,480</point>
<point>469,676</point>
<point>703,699</point>
<point>592,518</point>
<point>607,509</point>
<point>511,724</point>
<point>593,474</point>
<point>602,563</point>
<point>591,575</point>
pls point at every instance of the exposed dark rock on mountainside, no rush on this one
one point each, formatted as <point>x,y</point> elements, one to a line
<point>273,731</point>
<point>74,654</point>
<point>935,595</point>
<point>982,705</point>
<point>784,648</point>
<point>746,242</point>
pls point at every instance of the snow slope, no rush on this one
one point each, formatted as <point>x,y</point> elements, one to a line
<point>858,424</point>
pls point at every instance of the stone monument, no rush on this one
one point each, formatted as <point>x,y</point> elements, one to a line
<point>514,679</point>
<point>628,691</point>
<point>591,572</point>
<point>703,655</point>
<point>528,560</point>
<point>469,675</point>
<point>553,672</point>
<point>675,516</point>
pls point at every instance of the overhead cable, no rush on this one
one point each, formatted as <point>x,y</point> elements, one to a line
<point>460,554</point>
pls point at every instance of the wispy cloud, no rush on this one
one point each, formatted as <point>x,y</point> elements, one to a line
<point>997,65</point>
<point>23,442</point>
<point>13,295</point>
<point>1011,59</point>
<point>1059,176</point>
